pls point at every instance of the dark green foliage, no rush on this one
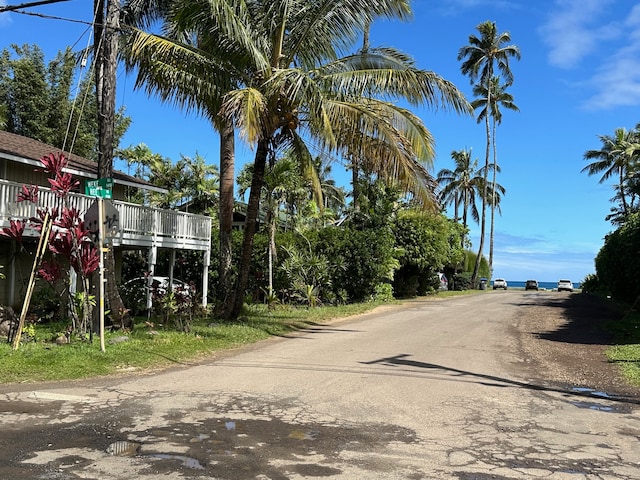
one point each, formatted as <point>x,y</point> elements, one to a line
<point>591,284</point>
<point>483,270</point>
<point>409,281</point>
<point>37,100</point>
<point>46,304</point>
<point>377,204</point>
<point>618,262</point>
<point>461,281</point>
<point>426,244</point>
<point>359,259</point>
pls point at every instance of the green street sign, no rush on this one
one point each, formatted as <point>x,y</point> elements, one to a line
<point>102,187</point>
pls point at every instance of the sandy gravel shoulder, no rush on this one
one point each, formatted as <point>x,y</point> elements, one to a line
<point>563,340</point>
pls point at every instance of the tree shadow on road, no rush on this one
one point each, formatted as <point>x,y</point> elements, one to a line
<point>495,381</point>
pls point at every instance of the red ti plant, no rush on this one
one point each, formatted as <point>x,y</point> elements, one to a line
<point>69,239</point>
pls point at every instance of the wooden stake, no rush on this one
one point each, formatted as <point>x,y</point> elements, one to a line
<point>37,261</point>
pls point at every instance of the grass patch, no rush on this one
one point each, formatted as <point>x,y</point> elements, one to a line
<point>150,347</point>
<point>626,352</point>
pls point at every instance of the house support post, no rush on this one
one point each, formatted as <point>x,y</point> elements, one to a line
<point>206,262</point>
<point>172,264</point>
<point>153,256</point>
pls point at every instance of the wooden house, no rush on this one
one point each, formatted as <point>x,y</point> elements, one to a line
<point>139,226</point>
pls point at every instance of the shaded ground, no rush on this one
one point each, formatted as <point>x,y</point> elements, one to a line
<point>564,339</point>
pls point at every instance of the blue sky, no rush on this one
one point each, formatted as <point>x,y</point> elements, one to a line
<point>579,77</point>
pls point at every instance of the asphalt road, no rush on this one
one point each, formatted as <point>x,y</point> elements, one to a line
<point>434,389</point>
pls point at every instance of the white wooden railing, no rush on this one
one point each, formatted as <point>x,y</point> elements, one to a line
<point>138,225</point>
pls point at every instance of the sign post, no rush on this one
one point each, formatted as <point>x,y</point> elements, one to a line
<point>102,218</point>
<point>101,268</point>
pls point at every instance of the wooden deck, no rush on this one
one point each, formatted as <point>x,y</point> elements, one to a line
<point>138,225</point>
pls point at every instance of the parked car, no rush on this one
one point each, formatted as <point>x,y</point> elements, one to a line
<point>565,285</point>
<point>499,283</point>
<point>134,291</point>
<point>444,283</point>
<point>531,285</point>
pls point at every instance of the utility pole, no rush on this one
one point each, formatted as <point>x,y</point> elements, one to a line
<point>106,50</point>
<point>106,31</point>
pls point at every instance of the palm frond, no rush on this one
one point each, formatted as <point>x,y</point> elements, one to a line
<point>248,109</point>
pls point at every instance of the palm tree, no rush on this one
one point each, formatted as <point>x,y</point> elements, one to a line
<point>499,97</point>
<point>482,57</point>
<point>186,67</point>
<point>495,192</point>
<point>618,156</point>
<point>280,180</point>
<point>292,88</point>
<point>461,185</point>
<point>138,157</point>
<point>201,186</point>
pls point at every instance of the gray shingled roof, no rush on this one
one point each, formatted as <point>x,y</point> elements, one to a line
<point>23,149</point>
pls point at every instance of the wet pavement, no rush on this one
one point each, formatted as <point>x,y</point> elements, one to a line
<point>396,395</point>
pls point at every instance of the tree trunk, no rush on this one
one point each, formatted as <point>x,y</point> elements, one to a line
<point>493,198</point>
<point>355,185</point>
<point>106,51</point>
<point>227,177</point>
<point>250,225</point>
<point>483,219</point>
<point>464,219</point>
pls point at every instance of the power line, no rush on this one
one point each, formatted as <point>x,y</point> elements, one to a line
<point>11,8</point>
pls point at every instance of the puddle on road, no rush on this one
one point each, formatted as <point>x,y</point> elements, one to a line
<point>593,406</point>
<point>597,394</point>
<point>187,462</point>
<point>591,392</point>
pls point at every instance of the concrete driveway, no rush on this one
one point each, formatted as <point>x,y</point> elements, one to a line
<point>434,389</point>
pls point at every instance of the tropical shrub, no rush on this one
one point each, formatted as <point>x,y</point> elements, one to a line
<point>461,281</point>
<point>308,274</point>
<point>383,292</point>
<point>360,259</point>
<point>591,284</point>
<point>618,261</point>
<point>426,243</point>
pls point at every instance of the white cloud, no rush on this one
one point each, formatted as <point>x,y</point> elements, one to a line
<point>617,80</point>
<point>574,30</point>
<point>583,32</point>
<point>617,84</point>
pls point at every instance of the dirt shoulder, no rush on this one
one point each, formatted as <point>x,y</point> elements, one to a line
<point>562,338</point>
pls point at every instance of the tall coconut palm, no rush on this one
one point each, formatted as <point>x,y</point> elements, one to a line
<point>499,98</point>
<point>185,66</point>
<point>293,88</point>
<point>483,58</point>
<point>618,155</point>
<point>461,185</point>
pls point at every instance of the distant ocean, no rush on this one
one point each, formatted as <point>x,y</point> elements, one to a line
<point>541,285</point>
